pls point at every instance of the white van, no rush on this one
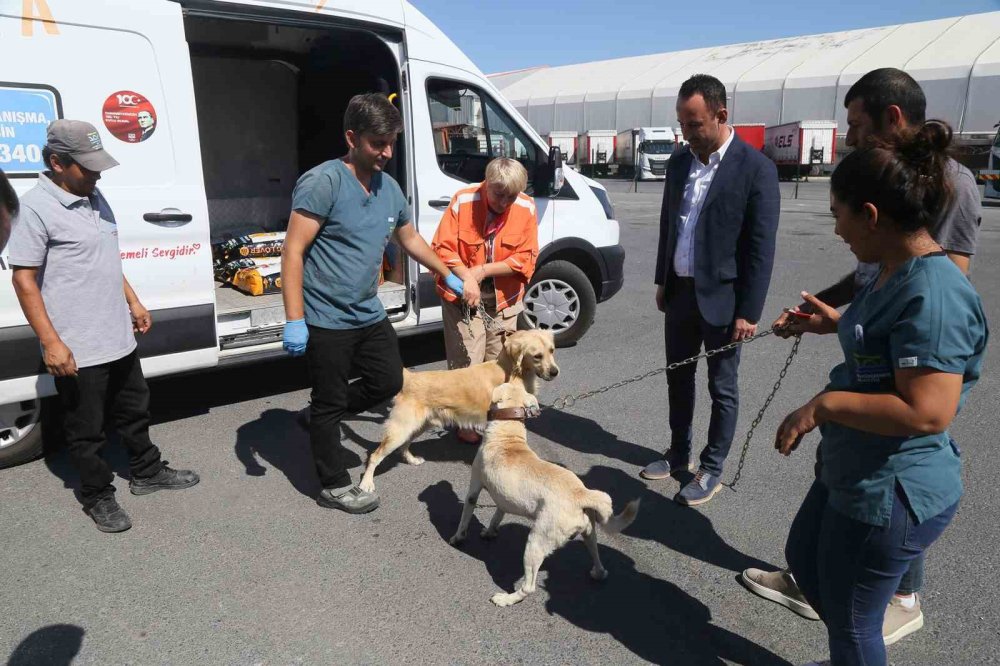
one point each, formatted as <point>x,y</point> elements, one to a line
<point>213,108</point>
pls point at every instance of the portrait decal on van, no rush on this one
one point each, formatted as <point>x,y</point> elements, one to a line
<point>129,116</point>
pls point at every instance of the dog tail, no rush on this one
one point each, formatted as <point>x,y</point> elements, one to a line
<point>618,523</point>
<point>597,506</point>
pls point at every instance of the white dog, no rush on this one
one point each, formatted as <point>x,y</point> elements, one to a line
<point>523,484</point>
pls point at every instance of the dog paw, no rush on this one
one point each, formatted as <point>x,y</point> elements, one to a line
<point>503,599</point>
<point>488,534</point>
<point>457,539</point>
<point>411,459</point>
<point>367,485</point>
<point>598,574</point>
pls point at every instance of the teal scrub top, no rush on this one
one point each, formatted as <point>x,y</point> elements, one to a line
<point>342,266</point>
<point>926,315</point>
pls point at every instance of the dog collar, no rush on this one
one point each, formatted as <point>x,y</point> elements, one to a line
<point>507,414</point>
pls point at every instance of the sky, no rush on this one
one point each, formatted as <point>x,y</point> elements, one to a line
<point>504,35</point>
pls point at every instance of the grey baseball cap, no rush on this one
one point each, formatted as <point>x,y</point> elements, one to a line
<point>79,140</point>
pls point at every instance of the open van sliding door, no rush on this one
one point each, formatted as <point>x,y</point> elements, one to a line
<point>461,125</point>
<point>134,84</point>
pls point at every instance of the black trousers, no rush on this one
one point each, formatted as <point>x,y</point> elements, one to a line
<point>114,391</point>
<point>686,332</point>
<point>331,355</point>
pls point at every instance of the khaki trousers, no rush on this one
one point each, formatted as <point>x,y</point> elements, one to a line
<point>467,345</point>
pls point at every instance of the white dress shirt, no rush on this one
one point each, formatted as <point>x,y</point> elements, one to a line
<point>696,187</point>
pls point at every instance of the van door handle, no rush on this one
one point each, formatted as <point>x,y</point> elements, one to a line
<point>439,203</point>
<point>168,217</point>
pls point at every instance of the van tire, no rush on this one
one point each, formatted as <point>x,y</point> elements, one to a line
<point>557,283</point>
<point>31,445</point>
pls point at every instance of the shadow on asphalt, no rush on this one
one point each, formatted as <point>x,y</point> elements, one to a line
<point>679,528</point>
<point>54,645</point>
<point>279,440</point>
<point>587,436</point>
<point>653,618</point>
<point>184,396</point>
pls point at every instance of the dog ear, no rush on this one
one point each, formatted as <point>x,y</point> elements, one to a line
<point>515,347</point>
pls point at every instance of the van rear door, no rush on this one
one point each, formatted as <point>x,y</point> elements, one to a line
<point>124,67</point>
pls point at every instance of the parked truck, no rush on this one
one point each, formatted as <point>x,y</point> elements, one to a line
<point>566,142</point>
<point>642,152</point>
<point>596,152</point>
<point>801,147</point>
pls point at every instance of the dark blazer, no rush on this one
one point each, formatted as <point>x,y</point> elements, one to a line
<point>735,236</point>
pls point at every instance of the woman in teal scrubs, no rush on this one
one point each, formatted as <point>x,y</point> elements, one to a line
<point>889,476</point>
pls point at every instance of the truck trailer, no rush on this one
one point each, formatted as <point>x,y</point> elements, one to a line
<point>801,147</point>
<point>566,143</point>
<point>596,152</point>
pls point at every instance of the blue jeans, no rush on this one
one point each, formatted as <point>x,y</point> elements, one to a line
<point>913,580</point>
<point>848,570</point>
<point>686,331</point>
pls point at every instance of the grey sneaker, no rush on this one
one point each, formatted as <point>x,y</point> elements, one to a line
<point>779,587</point>
<point>351,500</point>
<point>699,490</point>
<point>109,516</point>
<point>899,621</point>
<point>671,463</point>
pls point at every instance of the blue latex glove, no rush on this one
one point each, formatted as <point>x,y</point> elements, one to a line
<point>295,337</point>
<point>454,283</point>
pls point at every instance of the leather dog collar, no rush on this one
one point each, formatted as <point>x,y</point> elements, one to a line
<point>507,414</point>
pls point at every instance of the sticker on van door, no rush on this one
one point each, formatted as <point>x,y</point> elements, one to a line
<point>26,109</point>
<point>129,116</point>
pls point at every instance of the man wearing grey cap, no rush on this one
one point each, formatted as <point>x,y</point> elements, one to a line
<point>68,278</point>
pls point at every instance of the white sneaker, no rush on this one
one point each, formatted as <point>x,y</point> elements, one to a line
<point>779,587</point>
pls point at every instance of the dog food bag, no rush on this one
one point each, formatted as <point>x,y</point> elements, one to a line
<point>226,270</point>
<point>264,278</point>
<point>250,246</point>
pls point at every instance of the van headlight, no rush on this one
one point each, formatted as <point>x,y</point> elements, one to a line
<point>602,196</point>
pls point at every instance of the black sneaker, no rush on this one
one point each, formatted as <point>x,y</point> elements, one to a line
<point>351,500</point>
<point>165,479</point>
<point>109,516</point>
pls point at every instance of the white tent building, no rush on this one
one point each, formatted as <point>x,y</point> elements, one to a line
<point>956,60</point>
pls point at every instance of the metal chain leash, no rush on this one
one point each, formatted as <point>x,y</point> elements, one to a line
<point>489,323</point>
<point>570,400</point>
<point>760,414</point>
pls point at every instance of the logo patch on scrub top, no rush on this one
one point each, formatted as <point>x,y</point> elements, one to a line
<point>908,362</point>
<point>871,368</point>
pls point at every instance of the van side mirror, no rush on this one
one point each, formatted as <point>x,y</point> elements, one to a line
<point>556,160</point>
<point>549,177</point>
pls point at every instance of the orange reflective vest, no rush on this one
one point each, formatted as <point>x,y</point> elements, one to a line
<point>460,240</point>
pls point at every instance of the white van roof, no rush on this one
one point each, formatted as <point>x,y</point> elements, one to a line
<point>424,40</point>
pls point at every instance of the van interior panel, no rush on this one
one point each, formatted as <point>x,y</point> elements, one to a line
<point>270,102</point>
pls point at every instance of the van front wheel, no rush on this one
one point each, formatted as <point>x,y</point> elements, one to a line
<point>20,432</point>
<point>560,299</point>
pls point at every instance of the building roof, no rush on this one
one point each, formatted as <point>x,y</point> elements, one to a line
<point>956,60</point>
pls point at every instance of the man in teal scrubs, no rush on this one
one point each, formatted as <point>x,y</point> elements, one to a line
<point>344,212</point>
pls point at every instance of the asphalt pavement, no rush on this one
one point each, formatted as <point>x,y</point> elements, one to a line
<point>246,569</point>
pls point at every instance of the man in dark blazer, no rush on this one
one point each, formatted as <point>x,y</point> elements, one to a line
<point>718,225</point>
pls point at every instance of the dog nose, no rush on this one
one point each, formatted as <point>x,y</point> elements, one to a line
<point>554,371</point>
